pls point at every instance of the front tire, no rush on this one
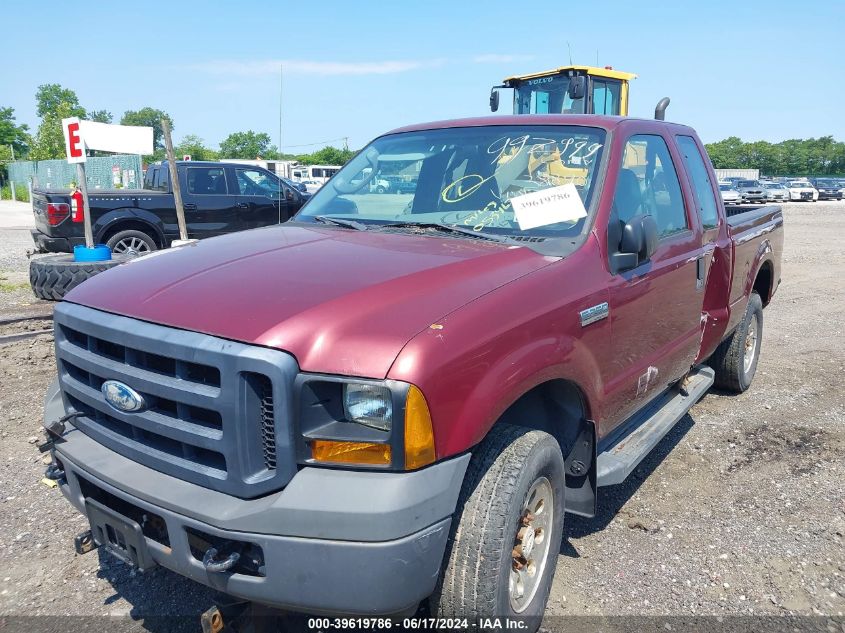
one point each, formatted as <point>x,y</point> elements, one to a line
<point>735,360</point>
<point>507,529</point>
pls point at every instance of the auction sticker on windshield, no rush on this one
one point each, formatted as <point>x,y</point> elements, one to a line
<point>548,206</point>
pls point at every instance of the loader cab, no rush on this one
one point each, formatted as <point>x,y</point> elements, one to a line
<point>568,90</point>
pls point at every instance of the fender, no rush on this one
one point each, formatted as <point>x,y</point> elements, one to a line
<point>489,378</point>
<point>108,220</point>
<point>761,258</point>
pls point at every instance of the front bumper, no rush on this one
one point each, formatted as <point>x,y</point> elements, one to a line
<point>333,541</point>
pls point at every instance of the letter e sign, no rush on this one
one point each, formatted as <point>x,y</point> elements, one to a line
<point>74,143</point>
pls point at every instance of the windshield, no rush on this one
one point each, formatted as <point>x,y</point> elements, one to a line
<point>496,180</point>
<point>725,187</point>
<point>825,183</point>
<point>747,183</point>
<point>546,95</point>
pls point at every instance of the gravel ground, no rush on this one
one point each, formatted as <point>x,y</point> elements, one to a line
<point>739,511</point>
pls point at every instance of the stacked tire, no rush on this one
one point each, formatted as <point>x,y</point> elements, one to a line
<point>53,276</point>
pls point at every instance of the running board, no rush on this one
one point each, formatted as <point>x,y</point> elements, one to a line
<point>648,427</point>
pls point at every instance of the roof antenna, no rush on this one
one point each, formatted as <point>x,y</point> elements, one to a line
<point>570,53</point>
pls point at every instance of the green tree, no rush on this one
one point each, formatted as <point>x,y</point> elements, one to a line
<point>49,97</point>
<point>149,117</point>
<point>49,141</point>
<point>195,146</point>
<point>327,156</point>
<point>100,116</point>
<point>13,134</point>
<point>248,145</point>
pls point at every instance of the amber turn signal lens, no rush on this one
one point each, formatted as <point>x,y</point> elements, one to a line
<point>350,452</point>
<point>419,436</point>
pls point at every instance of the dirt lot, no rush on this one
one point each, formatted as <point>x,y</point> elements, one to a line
<point>739,511</point>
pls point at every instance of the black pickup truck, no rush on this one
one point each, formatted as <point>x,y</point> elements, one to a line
<point>218,198</point>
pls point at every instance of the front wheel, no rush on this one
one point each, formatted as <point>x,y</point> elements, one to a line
<point>735,360</point>
<point>507,529</point>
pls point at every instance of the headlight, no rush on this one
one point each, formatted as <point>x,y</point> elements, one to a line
<point>368,405</point>
<point>373,424</point>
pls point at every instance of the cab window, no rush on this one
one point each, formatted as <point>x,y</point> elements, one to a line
<point>252,182</point>
<point>701,183</point>
<point>206,181</point>
<point>648,184</point>
<point>606,96</point>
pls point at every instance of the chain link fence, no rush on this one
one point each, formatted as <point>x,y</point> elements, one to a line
<point>120,171</point>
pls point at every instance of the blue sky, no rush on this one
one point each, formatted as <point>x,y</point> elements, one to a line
<point>759,70</point>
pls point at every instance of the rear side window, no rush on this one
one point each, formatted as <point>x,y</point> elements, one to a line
<point>700,181</point>
<point>206,181</point>
<point>648,184</point>
<point>149,177</point>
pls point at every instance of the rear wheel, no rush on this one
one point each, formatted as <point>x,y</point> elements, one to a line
<point>507,529</point>
<point>131,243</point>
<point>735,360</point>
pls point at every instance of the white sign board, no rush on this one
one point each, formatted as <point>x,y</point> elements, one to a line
<point>121,139</point>
<point>548,206</point>
<point>74,141</point>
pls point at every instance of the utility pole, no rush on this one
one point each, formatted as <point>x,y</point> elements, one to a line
<point>174,181</point>
<point>86,208</point>
<point>12,182</point>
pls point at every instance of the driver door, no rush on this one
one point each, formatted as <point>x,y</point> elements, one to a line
<point>655,308</point>
<point>261,198</point>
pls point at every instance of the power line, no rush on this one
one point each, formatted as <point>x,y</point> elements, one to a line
<point>331,140</point>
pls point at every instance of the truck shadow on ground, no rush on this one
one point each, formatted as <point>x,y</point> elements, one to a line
<point>613,498</point>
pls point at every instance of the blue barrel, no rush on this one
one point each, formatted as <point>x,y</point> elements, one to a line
<point>100,253</point>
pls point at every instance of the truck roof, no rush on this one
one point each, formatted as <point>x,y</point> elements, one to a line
<point>597,71</point>
<point>609,123</point>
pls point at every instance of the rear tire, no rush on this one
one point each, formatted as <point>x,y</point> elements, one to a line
<point>735,360</point>
<point>52,277</point>
<point>508,524</point>
<point>131,243</point>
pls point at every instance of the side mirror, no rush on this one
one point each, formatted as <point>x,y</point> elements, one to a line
<point>289,194</point>
<point>577,87</point>
<point>637,243</point>
<point>494,100</point>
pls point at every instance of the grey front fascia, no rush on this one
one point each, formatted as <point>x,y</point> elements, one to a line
<point>323,503</point>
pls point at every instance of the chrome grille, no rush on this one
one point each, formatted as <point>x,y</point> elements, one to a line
<point>213,405</point>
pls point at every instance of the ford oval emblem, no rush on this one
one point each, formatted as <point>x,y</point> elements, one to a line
<point>122,397</point>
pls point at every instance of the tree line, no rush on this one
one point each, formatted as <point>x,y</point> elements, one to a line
<point>795,157</point>
<point>55,102</point>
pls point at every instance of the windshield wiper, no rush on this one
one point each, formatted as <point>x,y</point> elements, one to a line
<point>444,228</point>
<point>349,224</point>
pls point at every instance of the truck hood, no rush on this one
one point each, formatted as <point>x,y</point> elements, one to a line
<point>341,301</point>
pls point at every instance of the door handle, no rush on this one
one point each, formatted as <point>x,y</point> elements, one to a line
<point>242,205</point>
<point>699,272</point>
<point>189,207</point>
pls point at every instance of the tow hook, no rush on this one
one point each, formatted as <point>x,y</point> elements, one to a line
<point>213,565</point>
<point>54,431</point>
<point>54,472</point>
<point>84,542</point>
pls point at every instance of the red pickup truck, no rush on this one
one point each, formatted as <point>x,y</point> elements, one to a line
<point>395,398</point>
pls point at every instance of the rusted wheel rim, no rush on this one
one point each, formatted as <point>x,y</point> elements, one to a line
<point>531,544</point>
<point>750,346</point>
